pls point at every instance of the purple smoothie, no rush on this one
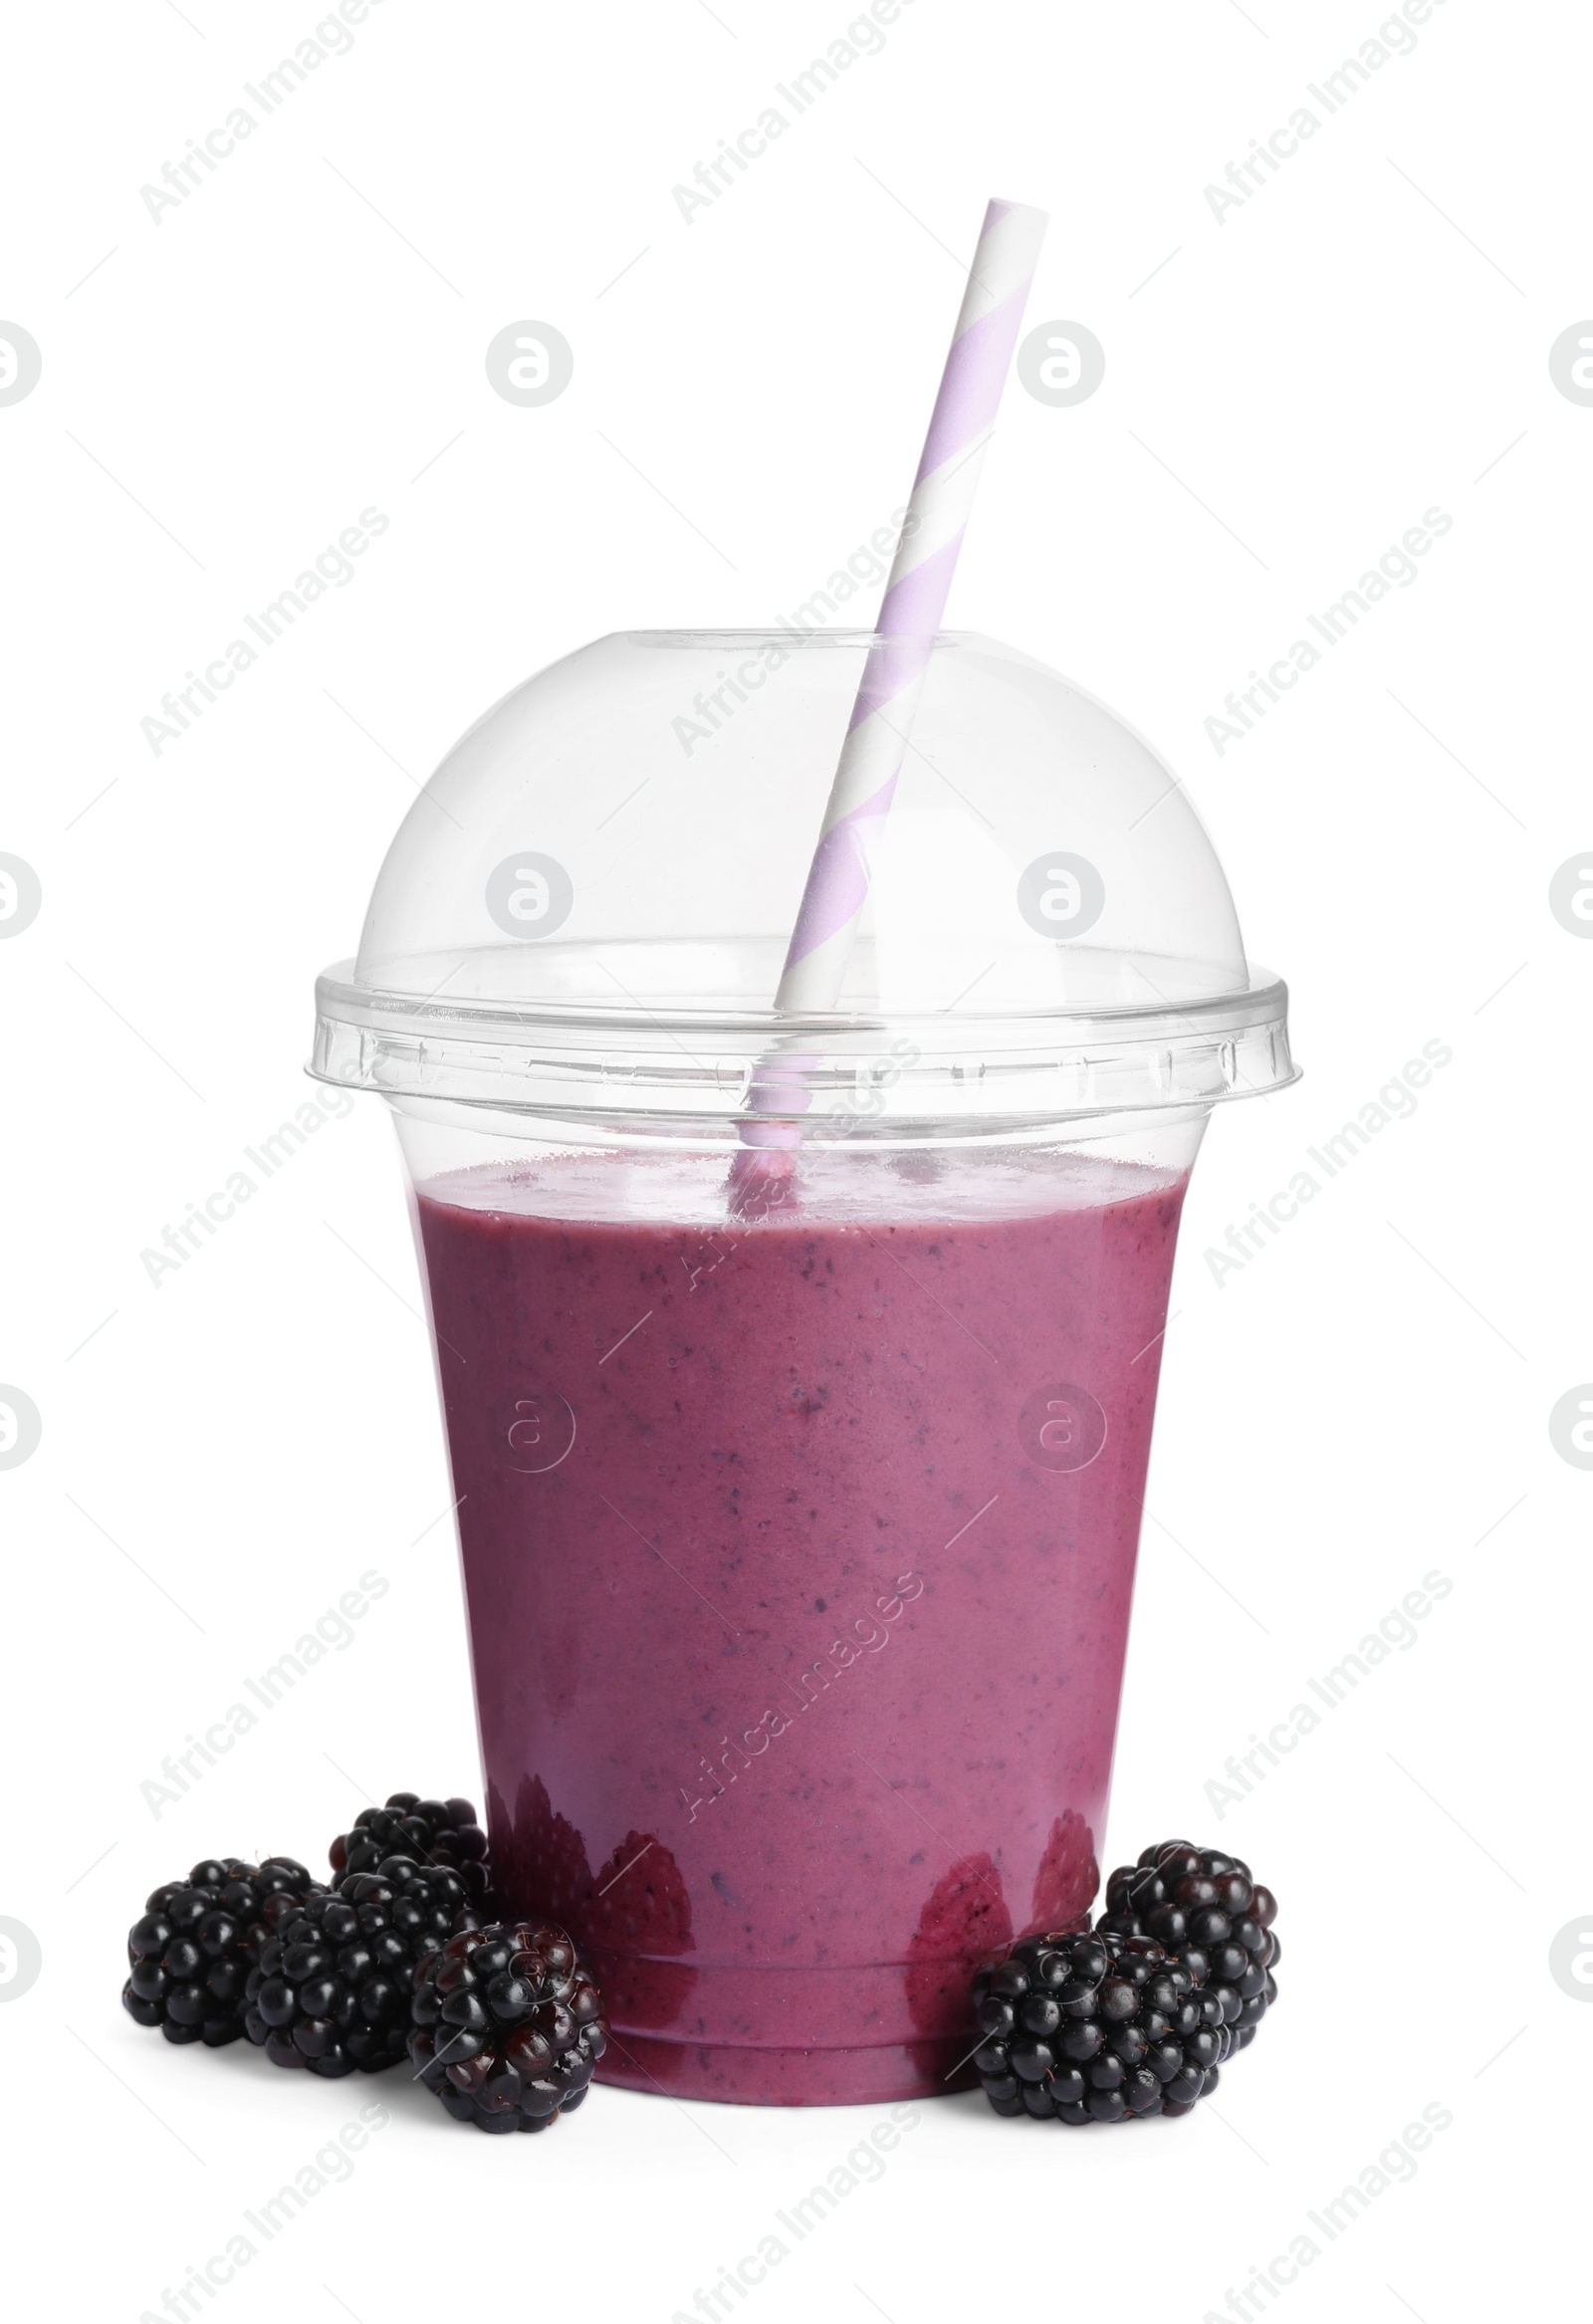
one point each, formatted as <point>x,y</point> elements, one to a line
<point>798,1557</point>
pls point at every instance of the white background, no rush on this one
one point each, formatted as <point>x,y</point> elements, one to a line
<point>1368,1399</point>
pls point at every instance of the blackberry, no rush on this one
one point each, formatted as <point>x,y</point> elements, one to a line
<point>332,1987</point>
<point>507,2026</point>
<point>430,1831</point>
<point>1097,2027</point>
<point>1199,1899</point>
<point>192,1952</point>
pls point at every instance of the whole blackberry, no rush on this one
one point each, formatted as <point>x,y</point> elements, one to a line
<point>191,1951</point>
<point>507,2026</point>
<point>1198,1898</point>
<point>1099,2027</point>
<point>430,1831</point>
<point>332,1987</point>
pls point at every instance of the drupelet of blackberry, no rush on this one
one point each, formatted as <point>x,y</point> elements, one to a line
<point>431,1831</point>
<point>191,1953</point>
<point>332,1987</point>
<point>1184,1897</point>
<point>1098,2026</point>
<point>507,2026</point>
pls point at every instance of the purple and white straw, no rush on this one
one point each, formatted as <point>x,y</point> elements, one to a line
<point>915,600</point>
<point>879,735</point>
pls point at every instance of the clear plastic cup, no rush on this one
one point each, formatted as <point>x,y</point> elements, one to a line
<point>798,1548</point>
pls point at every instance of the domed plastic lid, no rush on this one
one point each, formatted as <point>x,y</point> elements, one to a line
<point>586,912</point>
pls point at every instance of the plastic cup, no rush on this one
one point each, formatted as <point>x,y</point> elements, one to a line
<point>798,1550</point>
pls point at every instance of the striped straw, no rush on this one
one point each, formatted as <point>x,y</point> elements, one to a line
<point>878,737</point>
<point>915,600</point>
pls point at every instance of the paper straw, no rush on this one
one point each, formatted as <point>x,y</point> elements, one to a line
<point>878,736</point>
<point>915,600</point>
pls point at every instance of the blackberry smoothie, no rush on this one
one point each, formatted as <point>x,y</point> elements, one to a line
<point>798,1557</point>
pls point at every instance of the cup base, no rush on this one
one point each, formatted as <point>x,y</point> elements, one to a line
<point>739,2075</point>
